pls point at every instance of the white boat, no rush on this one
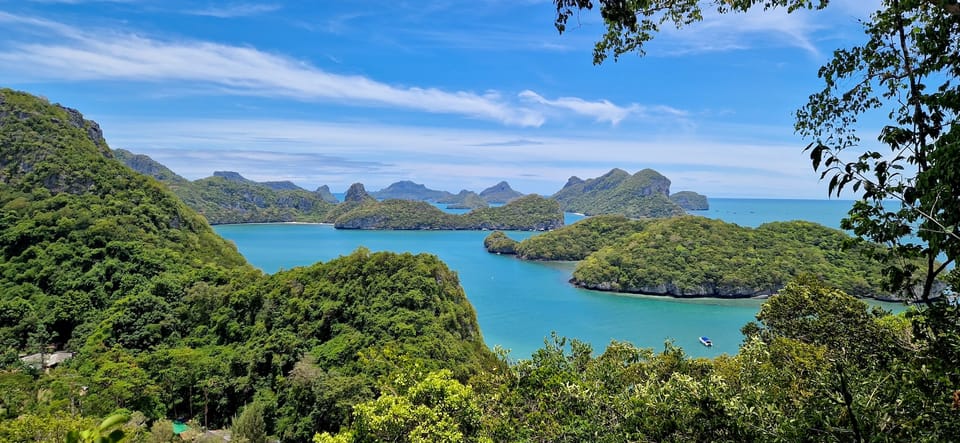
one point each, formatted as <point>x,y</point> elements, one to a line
<point>706,341</point>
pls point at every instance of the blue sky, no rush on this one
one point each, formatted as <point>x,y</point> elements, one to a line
<point>451,94</point>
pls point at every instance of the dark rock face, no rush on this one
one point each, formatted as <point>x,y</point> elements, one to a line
<point>705,290</point>
<point>89,126</point>
<point>357,193</point>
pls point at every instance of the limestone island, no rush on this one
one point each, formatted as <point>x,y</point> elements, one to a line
<point>693,256</point>
<point>645,194</point>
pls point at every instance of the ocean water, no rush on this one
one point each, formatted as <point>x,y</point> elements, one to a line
<point>519,303</point>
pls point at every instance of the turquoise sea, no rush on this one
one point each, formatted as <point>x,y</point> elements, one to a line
<point>520,303</point>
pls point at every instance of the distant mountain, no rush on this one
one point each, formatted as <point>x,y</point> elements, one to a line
<point>690,200</point>
<point>356,193</point>
<point>644,194</point>
<point>147,166</point>
<point>408,190</point>
<point>228,197</point>
<point>285,185</point>
<point>500,193</point>
<point>324,193</point>
<point>464,200</point>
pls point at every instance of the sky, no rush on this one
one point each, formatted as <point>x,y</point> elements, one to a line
<point>451,94</point>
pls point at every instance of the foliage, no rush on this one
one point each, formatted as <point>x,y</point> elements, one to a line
<point>528,213</point>
<point>466,200</point>
<point>230,198</point>
<point>416,408</point>
<point>79,230</point>
<point>631,24</point>
<point>249,426</point>
<point>498,243</point>
<point>696,256</point>
<point>905,72</point>
<point>644,194</point>
<point>167,319</point>
<point>106,432</point>
<point>577,241</point>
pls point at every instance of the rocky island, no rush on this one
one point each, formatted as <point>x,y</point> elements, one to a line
<point>644,194</point>
<point>500,193</point>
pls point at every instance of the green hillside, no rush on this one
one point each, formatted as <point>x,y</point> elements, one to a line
<point>577,241</point>
<point>166,319</point>
<point>697,256</point>
<point>227,197</point>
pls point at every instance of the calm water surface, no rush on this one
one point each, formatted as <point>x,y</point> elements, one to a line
<point>520,303</point>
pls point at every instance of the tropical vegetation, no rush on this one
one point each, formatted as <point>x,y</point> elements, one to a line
<point>528,213</point>
<point>644,194</point>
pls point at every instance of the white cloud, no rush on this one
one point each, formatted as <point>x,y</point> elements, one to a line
<point>79,55</point>
<point>603,110</point>
<point>235,10</point>
<point>312,153</point>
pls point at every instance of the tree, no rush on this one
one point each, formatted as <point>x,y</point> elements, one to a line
<point>435,408</point>
<point>250,426</point>
<point>906,71</point>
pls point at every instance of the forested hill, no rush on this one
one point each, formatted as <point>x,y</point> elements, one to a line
<point>77,225</point>
<point>528,213</point>
<point>228,197</point>
<point>700,257</point>
<point>644,194</point>
<point>166,318</point>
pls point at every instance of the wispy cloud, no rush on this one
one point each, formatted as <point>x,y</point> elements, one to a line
<point>235,10</point>
<point>313,153</point>
<point>77,55</point>
<point>740,31</point>
<point>602,110</point>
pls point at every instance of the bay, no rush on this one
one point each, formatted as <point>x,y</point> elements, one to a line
<point>520,303</point>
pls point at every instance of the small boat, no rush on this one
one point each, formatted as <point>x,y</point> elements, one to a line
<point>706,341</point>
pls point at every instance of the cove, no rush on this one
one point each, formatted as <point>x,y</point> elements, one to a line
<point>520,303</point>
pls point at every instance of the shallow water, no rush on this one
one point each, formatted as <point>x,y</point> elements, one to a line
<point>520,303</point>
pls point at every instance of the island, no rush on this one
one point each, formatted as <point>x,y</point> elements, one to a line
<point>529,213</point>
<point>408,190</point>
<point>465,200</point>
<point>690,200</point>
<point>643,194</point>
<point>500,193</point>
<point>694,256</point>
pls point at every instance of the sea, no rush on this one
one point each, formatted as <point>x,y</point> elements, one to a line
<point>521,304</point>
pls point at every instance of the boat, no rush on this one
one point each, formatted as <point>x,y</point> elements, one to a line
<point>706,341</point>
